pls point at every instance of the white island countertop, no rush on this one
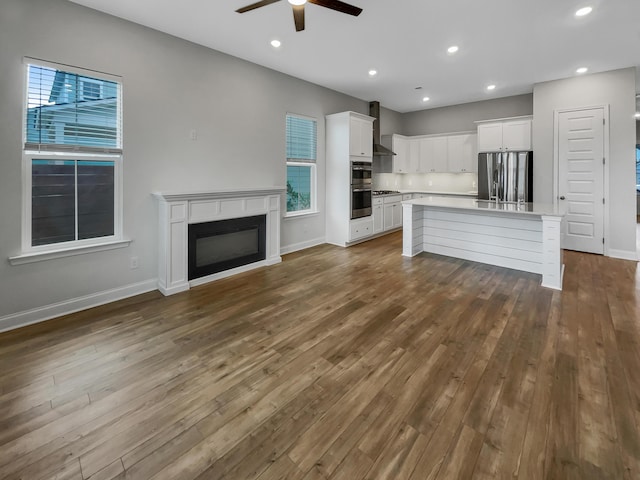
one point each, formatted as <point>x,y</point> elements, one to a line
<point>487,206</point>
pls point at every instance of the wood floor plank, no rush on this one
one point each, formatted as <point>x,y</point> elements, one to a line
<point>337,363</point>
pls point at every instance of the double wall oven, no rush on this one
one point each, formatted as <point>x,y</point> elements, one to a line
<point>361,173</point>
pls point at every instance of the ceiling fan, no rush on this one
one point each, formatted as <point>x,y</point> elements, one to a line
<point>298,8</point>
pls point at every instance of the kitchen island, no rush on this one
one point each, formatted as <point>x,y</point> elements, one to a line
<point>520,236</point>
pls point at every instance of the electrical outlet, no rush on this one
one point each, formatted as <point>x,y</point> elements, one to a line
<point>134,263</point>
<point>430,183</point>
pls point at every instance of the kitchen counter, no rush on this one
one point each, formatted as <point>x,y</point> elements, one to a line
<point>488,206</point>
<point>523,237</point>
<point>436,192</point>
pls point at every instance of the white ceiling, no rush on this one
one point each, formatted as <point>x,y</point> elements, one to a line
<point>510,43</point>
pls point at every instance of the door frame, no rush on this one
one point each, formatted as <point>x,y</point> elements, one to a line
<point>605,178</point>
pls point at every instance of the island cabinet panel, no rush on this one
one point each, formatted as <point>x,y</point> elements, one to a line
<point>498,238</point>
<point>522,237</point>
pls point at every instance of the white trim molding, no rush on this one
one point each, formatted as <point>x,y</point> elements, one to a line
<point>47,312</point>
<point>67,252</point>
<point>295,247</point>
<point>623,254</point>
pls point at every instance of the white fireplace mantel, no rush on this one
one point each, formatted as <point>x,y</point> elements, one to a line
<point>177,210</point>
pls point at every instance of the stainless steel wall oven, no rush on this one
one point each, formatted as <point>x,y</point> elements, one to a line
<point>361,173</point>
<point>360,189</point>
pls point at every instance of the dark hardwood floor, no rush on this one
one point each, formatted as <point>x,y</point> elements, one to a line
<point>338,363</point>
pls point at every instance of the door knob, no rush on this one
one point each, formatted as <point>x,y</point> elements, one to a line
<point>562,197</point>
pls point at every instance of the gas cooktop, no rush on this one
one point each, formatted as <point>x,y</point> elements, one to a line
<point>384,192</point>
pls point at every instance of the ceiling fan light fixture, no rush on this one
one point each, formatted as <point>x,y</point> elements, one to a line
<point>297,2</point>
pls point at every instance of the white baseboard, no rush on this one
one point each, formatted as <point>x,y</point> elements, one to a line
<point>623,254</point>
<point>40,314</point>
<point>301,246</point>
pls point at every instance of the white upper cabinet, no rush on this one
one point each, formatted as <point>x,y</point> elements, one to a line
<point>505,135</point>
<point>516,135</point>
<point>360,137</point>
<point>490,137</point>
<point>461,153</point>
<point>433,154</point>
<point>414,155</point>
<point>400,146</point>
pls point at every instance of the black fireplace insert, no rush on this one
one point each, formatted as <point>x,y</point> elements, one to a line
<point>225,244</point>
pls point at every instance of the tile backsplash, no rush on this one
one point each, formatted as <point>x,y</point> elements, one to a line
<point>437,182</point>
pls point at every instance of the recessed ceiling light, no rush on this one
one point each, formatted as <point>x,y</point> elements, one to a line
<point>582,70</point>
<point>297,2</point>
<point>275,43</point>
<point>425,99</point>
<point>579,13</point>
<point>373,73</point>
<point>637,115</point>
<point>453,49</point>
<point>491,87</point>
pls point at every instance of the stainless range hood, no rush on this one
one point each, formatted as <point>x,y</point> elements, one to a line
<point>379,150</point>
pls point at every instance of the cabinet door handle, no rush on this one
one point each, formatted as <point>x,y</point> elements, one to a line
<point>562,197</point>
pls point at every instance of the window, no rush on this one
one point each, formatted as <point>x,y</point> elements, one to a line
<point>90,90</point>
<point>301,164</point>
<point>72,158</point>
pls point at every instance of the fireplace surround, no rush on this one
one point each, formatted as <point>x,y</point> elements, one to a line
<point>181,212</point>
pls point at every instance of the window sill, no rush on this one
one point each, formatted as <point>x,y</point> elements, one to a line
<point>67,252</point>
<point>309,213</point>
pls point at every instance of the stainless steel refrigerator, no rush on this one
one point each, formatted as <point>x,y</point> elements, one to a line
<point>505,176</point>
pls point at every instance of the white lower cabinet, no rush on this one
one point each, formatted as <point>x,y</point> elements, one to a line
<point>378,216</point>
<point>360,228</point>
<point>392,212</point>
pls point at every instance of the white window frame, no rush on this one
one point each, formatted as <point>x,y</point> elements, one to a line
<point>313,196</point>
<point>30,253</point>
<point>28,157</point>
<point>313,209</point>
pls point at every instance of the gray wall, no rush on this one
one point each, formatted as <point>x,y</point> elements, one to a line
<point>460,118</point>
<point>617,90</point>
<point>170,87</point>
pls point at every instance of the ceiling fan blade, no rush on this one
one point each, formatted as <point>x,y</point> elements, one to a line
<point>298,17</point>
<point>253,6</point>
<point>338,6</point>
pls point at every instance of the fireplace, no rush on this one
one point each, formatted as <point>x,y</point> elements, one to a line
<point>205,236</point>
<point>225,244</point>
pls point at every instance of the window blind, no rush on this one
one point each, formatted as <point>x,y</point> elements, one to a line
<point>301,139</point>
<point>67,111</point>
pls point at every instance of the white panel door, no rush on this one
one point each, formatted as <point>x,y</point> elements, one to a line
<point>581,179</point>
